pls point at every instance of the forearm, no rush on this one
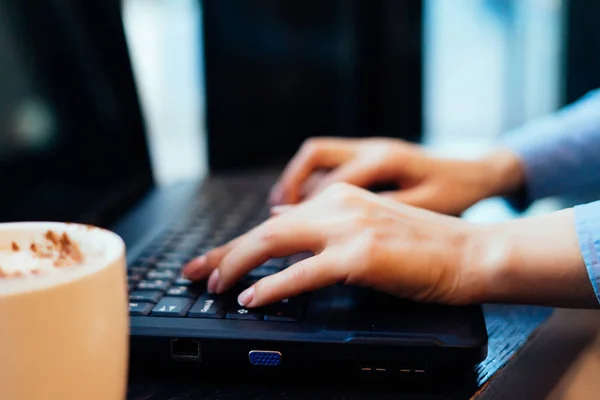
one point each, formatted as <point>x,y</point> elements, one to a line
<point>536,261</point>
<point>558,153</point>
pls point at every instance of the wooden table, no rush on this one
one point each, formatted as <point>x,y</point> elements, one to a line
<point>561,361</point>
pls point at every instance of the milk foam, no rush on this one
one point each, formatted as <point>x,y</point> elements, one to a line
<point>23,269</point>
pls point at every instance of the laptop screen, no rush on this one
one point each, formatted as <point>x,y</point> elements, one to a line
<point>72,145</point>
<point>278,72</point>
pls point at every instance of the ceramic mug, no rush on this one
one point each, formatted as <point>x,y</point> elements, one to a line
<point>64,329</point>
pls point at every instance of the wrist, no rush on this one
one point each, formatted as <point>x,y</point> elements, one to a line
<point>484,261</point>
<point>531,261</point>
<point>492,263</point>
<point>504,171</point>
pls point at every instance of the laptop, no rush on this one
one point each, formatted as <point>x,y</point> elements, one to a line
<point>73,147</point>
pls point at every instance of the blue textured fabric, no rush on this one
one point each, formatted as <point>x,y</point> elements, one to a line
<point>561,152</point>
<point>587,222</point>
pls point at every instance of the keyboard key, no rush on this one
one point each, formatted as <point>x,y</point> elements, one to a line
<point>181,281</point>
<point>185,291</point>
<point>298,257</point>
<point>173,260</point>
<point>208,306</point>
<point>172,307</point>
<point>132,280</point>
<point>277,263</point>
<point>163,274</point>
<point>243,284</point>
<point>146,259</point>
<point>261,272</point>
<point>139,309</point>
<point>169,264</point>
<point>148,296</point>
<point>202,249</point>
<point>131,271</point>
<point>157,284</point>
<point>245,313</point>
<point>287,310</point>
<point>187,244</point>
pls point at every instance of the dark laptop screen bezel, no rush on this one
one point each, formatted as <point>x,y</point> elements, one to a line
<point>83,46</point>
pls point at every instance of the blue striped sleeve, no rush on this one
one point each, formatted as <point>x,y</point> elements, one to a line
<point>587,224</point>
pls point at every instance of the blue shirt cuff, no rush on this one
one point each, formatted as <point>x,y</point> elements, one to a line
<point>587,224</point>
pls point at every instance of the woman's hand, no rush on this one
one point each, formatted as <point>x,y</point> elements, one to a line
<point>441,185</point>
<point>357,238</point>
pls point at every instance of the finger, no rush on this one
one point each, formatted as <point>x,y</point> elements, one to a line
<point>278,210</point>
<point>316,154</point>
<point>279,238</point>
<point>304,276</point>
<point>313,181</point>
<point>200,267</point>
<point>354,173</point>
<point>432,199</point>
<point>420,196</point>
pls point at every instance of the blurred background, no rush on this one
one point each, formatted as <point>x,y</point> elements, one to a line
<point>485,66</point>
<point>239,83</point>
<point>455,74</point>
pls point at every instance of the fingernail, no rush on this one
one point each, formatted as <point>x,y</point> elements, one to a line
<point>276,196</point>
<point>194,266</point>
<point>280,209</point>
<point>213,281</point>
<point>246,296</point>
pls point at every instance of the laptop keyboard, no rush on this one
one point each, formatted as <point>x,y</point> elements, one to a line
<point>156,287</point>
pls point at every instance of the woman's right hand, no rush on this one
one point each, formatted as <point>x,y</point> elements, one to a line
<point>442,185</point>
<point>354,237</point>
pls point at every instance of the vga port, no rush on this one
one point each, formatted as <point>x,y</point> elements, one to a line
<point>264,358</point>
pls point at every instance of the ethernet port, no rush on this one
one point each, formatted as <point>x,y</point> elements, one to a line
<point>185,349</point>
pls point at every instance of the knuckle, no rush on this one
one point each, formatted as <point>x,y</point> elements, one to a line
<point>363,256</point>
<point>214,256</point>
<point>371,242</point>
<point>368,247</point>
<point>374,227</point>
<point>268,234</point>
<point>344,196</point>
<point>379,140</point>
<point>310,146</point>
<point>381,144</point>
<point>340,192</point>
<point>361,221</point>
<point>299,273</point>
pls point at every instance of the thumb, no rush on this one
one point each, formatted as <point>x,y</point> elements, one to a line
<point>277,210</point>
<point>354,173</point>
<point>419,196</point>
<point>428,198</point>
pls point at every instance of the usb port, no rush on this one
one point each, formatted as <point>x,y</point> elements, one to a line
<point>185,349</point>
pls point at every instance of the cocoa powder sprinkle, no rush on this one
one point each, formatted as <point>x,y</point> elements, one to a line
<point>51,236</point>
<point>59,248</point>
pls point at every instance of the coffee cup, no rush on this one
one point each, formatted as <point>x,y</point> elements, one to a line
<point>63,312</point>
